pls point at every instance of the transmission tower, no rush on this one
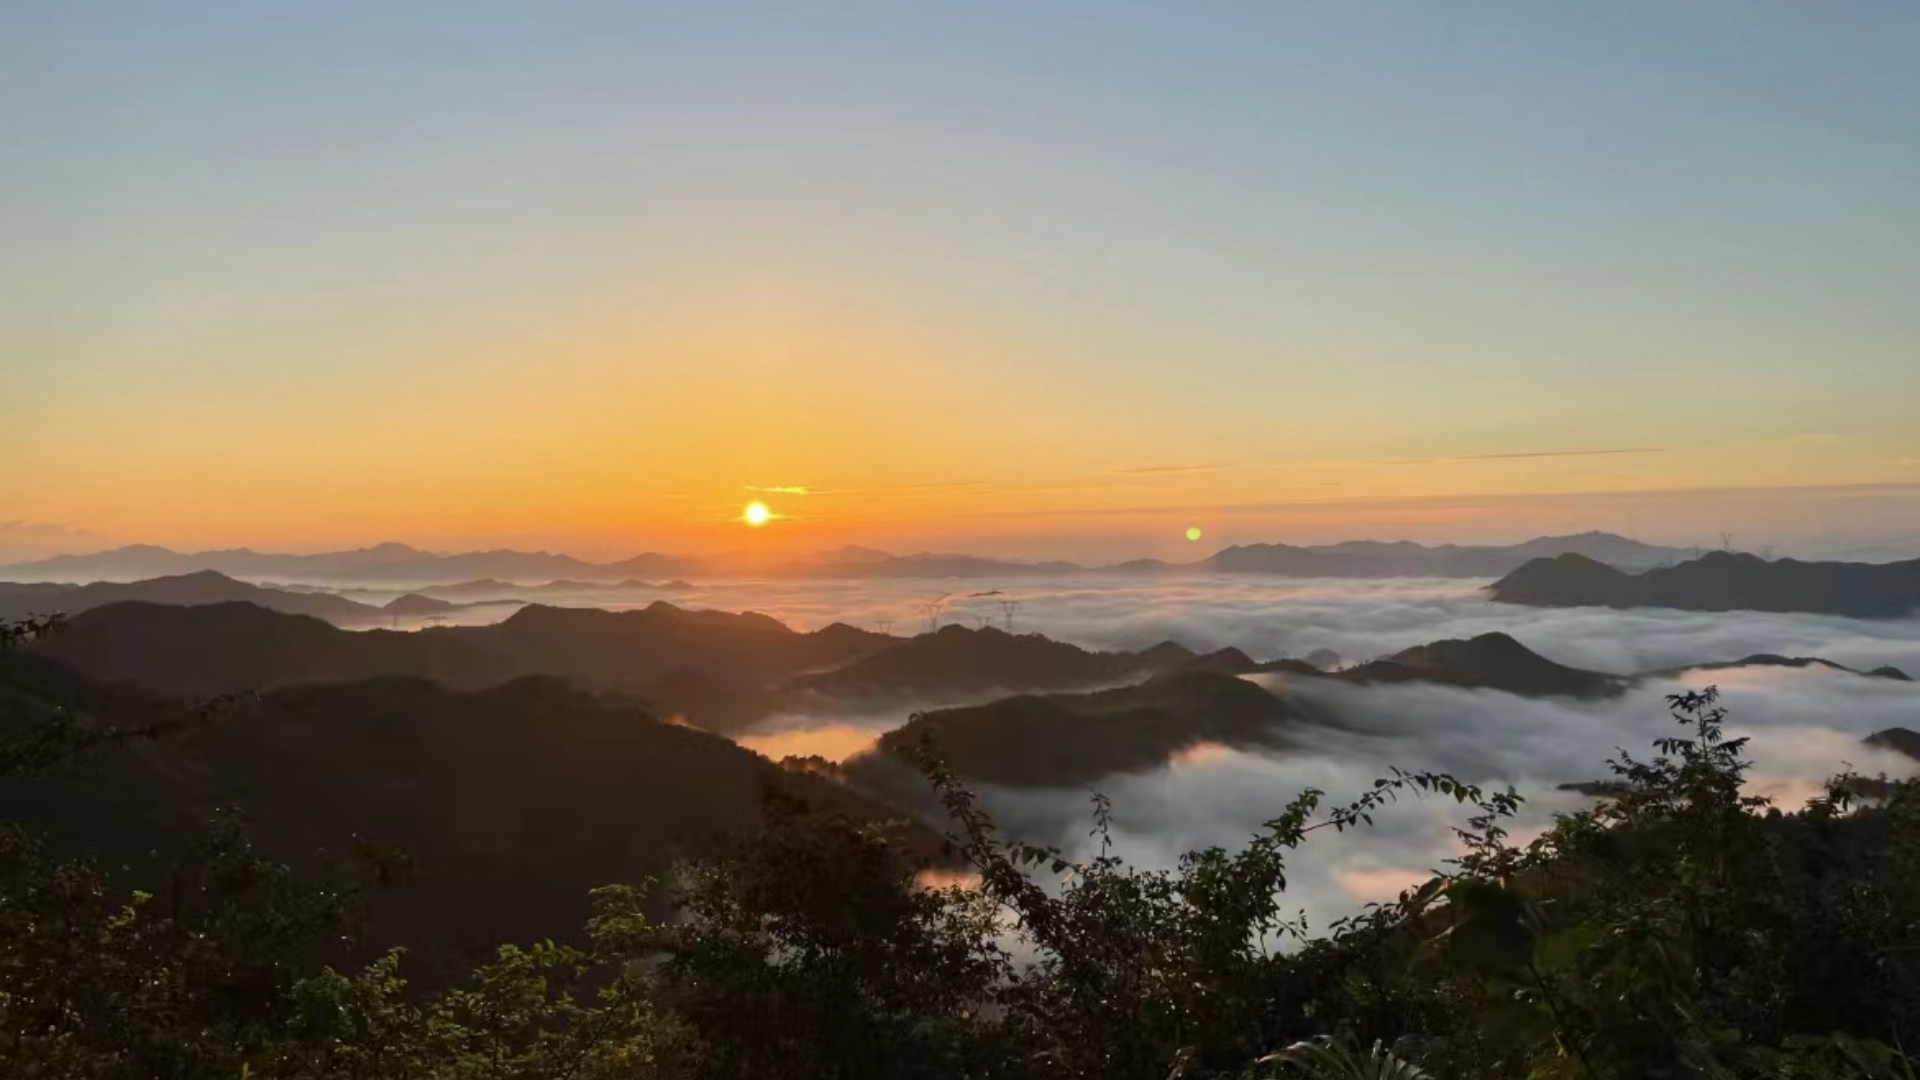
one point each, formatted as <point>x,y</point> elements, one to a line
<point>1008,608</point>
<point>932,608</point>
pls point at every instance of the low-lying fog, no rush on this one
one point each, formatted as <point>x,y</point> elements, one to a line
<point>1273,616</point>
<point>1806,723</point>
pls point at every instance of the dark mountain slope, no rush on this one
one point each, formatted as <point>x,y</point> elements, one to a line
<point>218,648</point>
<point>1491,661</point>
<point>1898,739</point>
<point>1721,581</point>
<point>32,686</point>
<point>959,660</point>
<point>1563,581</point>
<point>510,802</point>
<point>1292,561</point>
<point>1772,660</point>
<point>202,587</point>
<point>631,649</point>
<point>1061,740</point>
<point>964,660</point>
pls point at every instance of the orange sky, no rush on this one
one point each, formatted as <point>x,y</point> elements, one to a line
<point>986,278</point>
<point>612,431</point>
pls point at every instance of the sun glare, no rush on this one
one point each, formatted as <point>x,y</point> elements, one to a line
<point>756,514</point>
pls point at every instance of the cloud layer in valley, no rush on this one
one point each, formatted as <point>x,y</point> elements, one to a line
<point>1360,619</point>
<point>1807,723</point>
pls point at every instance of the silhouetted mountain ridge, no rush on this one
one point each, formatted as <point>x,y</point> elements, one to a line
<point>1059,740</point>
<point>199,587</point>
<point>392,563</point>
<point>1898,739</point>
<point>1490,661</point>
<point>1720,581</point>
<point>957,658</point>
<point>510,803</point>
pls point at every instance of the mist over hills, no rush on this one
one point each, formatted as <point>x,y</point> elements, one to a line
<point>958,659</point>
<point>1495,661</point>
<point>548,718</point>
<point>198,587</point>
<point>1060,740</point>
<point>208,649</point>
<point>1065,739</point>
<point>395,563</point>
<point>215,648</point>
<point>725,672</point>
<point>1719,581</point>
<point>19,600</point>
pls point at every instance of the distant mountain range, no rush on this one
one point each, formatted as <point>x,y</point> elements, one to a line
<point>389,563</point>
<point>212,587</point>
<point>724,672</point>
<point>1370,558</point>
<point>1067,739</point>
<point>399,564</point>
<point>1719,581</point>
<point>212,649</point>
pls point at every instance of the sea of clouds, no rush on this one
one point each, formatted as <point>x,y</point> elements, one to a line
<point>1360,619</point>
<point>1806,724</point>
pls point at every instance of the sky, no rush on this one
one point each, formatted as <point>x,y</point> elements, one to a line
<point>1055,279</point>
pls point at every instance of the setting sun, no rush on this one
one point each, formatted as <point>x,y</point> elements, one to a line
<point>756,514</point>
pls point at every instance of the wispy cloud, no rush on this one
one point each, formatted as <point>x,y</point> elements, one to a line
<point>36,539</point>
<point>1520,454</point>
<point>793,489</point>
<point>1149,470</point>
<point>41,530</point>
<point>1494,501</point>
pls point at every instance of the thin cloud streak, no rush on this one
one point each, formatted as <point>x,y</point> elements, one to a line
<point>1502,499</point>
<point>1524,454</point>
<point>1155,470</point>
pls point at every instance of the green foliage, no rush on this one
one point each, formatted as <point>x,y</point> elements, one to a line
<point>812,952</point>
<point>1680,928</point>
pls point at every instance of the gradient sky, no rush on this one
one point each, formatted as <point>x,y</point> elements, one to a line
<point>1053,278</point>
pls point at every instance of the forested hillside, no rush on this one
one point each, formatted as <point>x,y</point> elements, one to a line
<point>1675,928</point>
